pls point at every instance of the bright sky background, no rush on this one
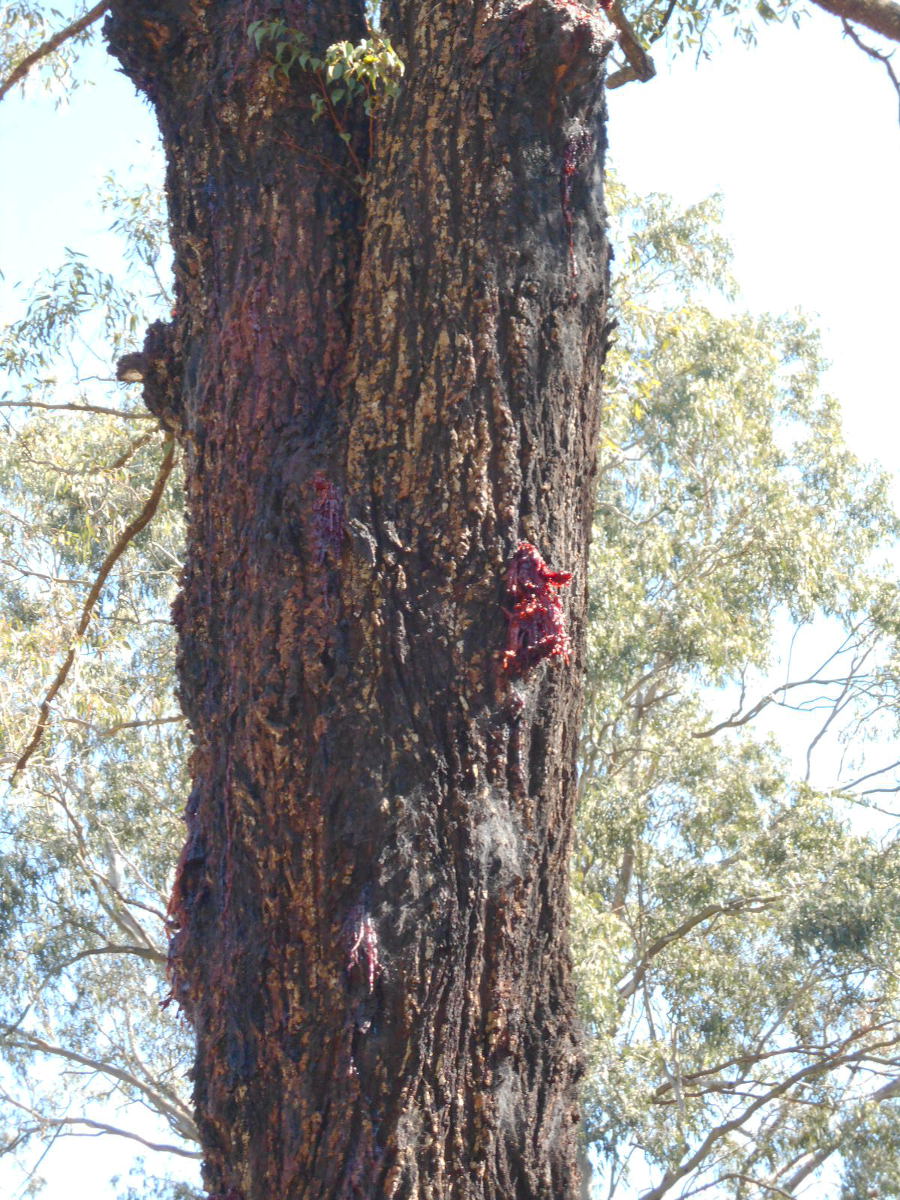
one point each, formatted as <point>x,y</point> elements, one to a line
<point>800,134</point>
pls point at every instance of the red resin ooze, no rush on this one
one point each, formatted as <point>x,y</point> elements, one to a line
<point>537,624</point>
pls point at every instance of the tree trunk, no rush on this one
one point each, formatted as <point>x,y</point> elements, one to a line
<point>382,389</point>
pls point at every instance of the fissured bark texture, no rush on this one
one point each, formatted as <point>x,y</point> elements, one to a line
<point>380,390</point>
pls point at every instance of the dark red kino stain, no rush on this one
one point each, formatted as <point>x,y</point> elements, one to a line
<point>537,624</point>
<point>578,149</point>
<point>327,519</point>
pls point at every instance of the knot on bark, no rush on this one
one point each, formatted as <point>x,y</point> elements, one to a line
<point>158,367</point>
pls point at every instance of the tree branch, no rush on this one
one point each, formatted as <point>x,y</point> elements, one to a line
<point>881,16</point>
<point>176,1112</point>
<point>60,1123</point>
<point>89,408</point>
<point>640,64</point>
<point>639,969</point>
<point>147,952</point>
<point>878,55</point>
<point>738,718</point>
<point>128,534</point>
<point>815,1161</point>
<point>51,44</point>
<point>111,730</point>
<point>811,1071</point>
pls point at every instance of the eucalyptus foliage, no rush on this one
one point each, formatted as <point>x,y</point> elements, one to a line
<point>737,934</point>
<point>90,825</point>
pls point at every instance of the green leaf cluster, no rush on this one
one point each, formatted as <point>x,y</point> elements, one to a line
<point>369,71</point>
<point>695,27</point>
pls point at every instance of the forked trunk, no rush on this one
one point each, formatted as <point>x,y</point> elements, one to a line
<point>382,390</point>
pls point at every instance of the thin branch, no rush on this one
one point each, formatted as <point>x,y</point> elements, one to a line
<point>740,1177</point>
<point>878,55</point>
<point>845,787</point>
<point>119,913</point>
<point>100,883</point>
<point>745,904</point>
<point>809,1072</point>
<point>881,16</point>
<point>837,707</point>
<point>661,27</point>
<point>164,1088</point>
<point>111,730</point>
<point>51,44</point>
<point>128,534</point>
<point>55,973</point>
<point>737,718</point>
<point>177,1113</point>
<point>89,408</point>
<point>26,572</point>
<point>147,952</point>
<point>101,1127</point>
<point>60,1123</point>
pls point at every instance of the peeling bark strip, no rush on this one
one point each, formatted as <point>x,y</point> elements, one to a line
<point>427,353</point>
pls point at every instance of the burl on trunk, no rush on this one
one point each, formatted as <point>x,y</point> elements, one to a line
<point>387,391</point>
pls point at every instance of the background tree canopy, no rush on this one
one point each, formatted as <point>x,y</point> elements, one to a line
<point>736,915</point>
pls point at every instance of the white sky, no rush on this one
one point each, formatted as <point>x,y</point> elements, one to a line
<point>800,134</point>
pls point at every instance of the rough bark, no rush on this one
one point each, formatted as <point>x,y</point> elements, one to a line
<point>379,396</point>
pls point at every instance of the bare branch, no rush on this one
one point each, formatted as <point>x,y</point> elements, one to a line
<point>111,730</point>
<point>147,952</point>
<point>738,718</point>
<point>878,55</point>
<point>845,787</point>
<point>101,1127</point>
<point>88,408</point>
<point>176,1112</point>
<point>62,1123</point>
<point>881,16</point>
<point>808,1072</point>
<point>739,1177</point>
<point>51,44</point>
<point>837,707</point>
<point>26,572</point>
<point>128,534</point>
